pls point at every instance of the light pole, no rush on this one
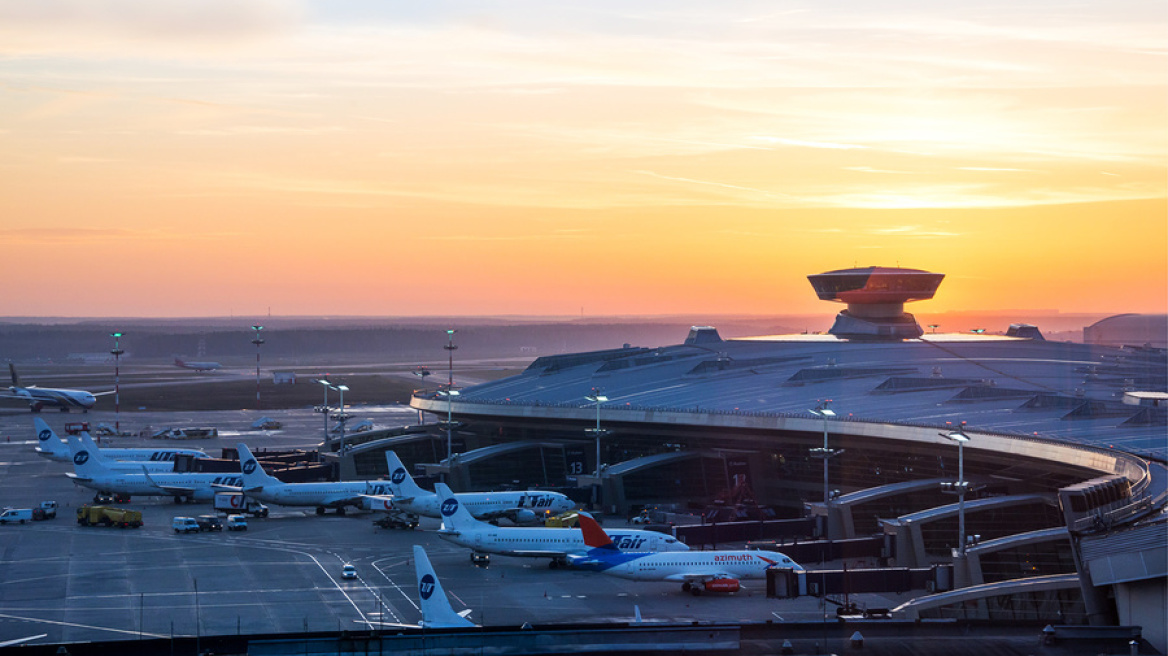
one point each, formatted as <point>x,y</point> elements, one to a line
<point>825,413</point>
<point>960,438</point>
<point>450,348</point>
<point>597,398</point>
<point>342,416</point>
<point>324,409</point>
<point>257,341</point>
<point>117,353</point>
<point>449,393</point>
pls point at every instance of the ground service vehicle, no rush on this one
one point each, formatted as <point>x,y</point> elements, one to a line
<point>238,502</point>
<point>102,498</point>
<point>108,516</point>
<point>348,572</point>
<point>209,523</point>
<point>397,520</point>
<point>16,515</point>
<point>563,520</point>
<point>185,525</point>
<point>47,510</point>
<point>236,523</point>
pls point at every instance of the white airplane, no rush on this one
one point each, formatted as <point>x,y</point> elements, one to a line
<point>459,527</point>
<point>39,397</point>
<point>53,448</point>
<point>189,486</point>
<point>84,444</point>
<point>519,506</point>
<point>437,612</point>
<point>264,487</point>
<point>200,367</point>
<point>714,571</point>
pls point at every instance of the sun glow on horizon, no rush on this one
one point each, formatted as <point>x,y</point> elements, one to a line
<point>194,158</point>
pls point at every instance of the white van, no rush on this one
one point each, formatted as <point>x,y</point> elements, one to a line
<point>185,525</point>
<point>20,515</point>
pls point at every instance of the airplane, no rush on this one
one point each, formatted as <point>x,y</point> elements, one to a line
<point>459,527</point>
<point>437,612</point>
<point>519,506</point>
<point>84,444</point>
<point>188,486</point>
<point>264,487</point>
<point>39,397</point>
<point>698,571</point>
<point>200,367</point>
<point>53,448</point>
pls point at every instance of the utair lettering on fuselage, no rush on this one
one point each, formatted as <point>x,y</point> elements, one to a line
<point>162,456</point>
<point>627,542</point>
<point>228,481</point>
<point>535,501</point>
<point>378,489</point>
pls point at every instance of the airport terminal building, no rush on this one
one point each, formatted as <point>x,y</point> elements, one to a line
<point>1048,458</point>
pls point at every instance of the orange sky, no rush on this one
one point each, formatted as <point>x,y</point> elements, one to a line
<point>222,157</point>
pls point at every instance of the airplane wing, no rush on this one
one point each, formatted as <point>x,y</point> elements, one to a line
<point>78,478</point>
<point>341,500</point>
<point>105,393</point>
<point>378,502</point>
<point>699,576</point>
<point>173,490</point>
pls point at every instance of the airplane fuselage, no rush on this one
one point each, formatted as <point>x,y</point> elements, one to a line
<point>489,504</point>
<point>694,565</point>
<point>524,541</point>
<point>317,494</point>
<point>202,487</point>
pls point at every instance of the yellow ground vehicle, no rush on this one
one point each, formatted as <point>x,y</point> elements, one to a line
<point>108,516</point>
<point>563,520</point>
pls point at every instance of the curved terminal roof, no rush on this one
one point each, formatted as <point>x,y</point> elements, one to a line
<point>1019,386</point>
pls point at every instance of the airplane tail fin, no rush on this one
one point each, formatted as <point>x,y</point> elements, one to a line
<point>400,481</point>
<point>594,536</point>
<point>437,612</point>
<point>455,516</point>
<point>86,464</point>
<point>253,472</point>
<point>50,444</point>
<point>15,377</point>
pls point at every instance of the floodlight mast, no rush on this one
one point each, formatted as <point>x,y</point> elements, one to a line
<point>257,341</point>
<point>960,437</point>
<point>117,353</point>
<point>823,411</point>
<point>597,398</point>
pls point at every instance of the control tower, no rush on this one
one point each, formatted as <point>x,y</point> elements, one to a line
<point>876,298</point>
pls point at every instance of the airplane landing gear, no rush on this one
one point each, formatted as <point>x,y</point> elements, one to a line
<point>320,510</point>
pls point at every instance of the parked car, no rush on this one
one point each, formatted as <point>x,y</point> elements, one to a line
<point>236,523</point>
<point>185,525</point>
<point>16,515</point>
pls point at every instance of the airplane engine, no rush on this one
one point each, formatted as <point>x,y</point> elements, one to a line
<point>721,585</point>
<point>524,517</point>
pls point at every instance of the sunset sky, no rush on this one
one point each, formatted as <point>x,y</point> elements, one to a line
<point>216,157</point>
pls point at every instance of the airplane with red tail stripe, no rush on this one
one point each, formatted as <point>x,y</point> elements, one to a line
<point>697,571</point>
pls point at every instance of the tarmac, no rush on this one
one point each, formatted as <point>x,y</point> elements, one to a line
<point>74,583</point>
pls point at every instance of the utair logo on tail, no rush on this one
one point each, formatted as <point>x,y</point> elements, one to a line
<point>44,435</point>
<point>426,586</point>
<point>449,507</point>
<point>81,457</point>
<point>249,467</point>
<point>397,477</point>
